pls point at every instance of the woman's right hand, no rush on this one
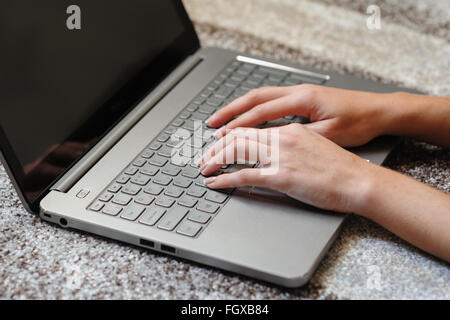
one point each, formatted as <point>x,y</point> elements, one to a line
<point>348,118</point>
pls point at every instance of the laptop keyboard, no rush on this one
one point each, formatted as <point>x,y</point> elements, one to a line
<point>162,187</point>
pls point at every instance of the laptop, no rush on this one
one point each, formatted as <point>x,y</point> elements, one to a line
<point>94,95</point>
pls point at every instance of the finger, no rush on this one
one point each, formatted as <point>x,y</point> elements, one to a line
<point>244,103</point>
<point>240,150</point>
<point>287,105</point>
<point>241,178</point>
<point>248,133</point>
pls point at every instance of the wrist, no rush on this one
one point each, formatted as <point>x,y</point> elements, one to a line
<point>363,188</point>
<point>399,113</point>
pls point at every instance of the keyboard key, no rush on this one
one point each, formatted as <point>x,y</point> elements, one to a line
<point>158,161</point>
<point>192,108</point>
<point>187,201</point>
<point>171,170</point>
<point>206,93</point>
<point>154,190</point>
<point>106,197</point>
<point>175,142</point>
<point>259,75</point>
<point>200,181</point>
<point>165,202</point>
<point>112,209</point>
<point>152,215</point>
<point>199,217</point>
<point>174,192</point>
<point>189,152</point>
<point>114,188</point>
<point>122,179</point>
<point>178,123</point>
<point>155,146</point>
<point>131,189</point>
<point>149,170</point>
<point>224,92</point>
<point>139,162</point>
<point>170,130</point>
<point>199,100</point>
<point>182,182</point>
<point>147,154</point>
<point>191,172</point>
<point>180,161</point>
<point>188,228</point>
<point>199,116</point>
<point>232,83</point>
<point>192,125</point>
<point>197,143</point>
<point>209,110</point>
<point>216,197</point>
<point>273,72</point>
<point>96,206</point>
<point>185,116</point>
<point>182,134</point>
<point>122,199</point>
<point>208,207</point>
<point>132,212</point>
<point>172,218</point>
<point>163,137</point>
<point>144,199</point>
<point>162,180</point>
<point>197,192</point>
<point>165,152</point>
<point>131,171</point>
<point>140,179</point>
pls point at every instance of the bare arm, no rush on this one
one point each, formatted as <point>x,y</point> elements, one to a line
<point>413,211</point>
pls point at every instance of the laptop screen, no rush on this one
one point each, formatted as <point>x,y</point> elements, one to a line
<point>72,69</point>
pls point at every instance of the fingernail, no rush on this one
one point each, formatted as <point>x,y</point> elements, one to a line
<point>210,180</point>
<point>209,119</point>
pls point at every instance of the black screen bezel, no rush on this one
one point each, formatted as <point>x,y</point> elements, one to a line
<point>185,45</point>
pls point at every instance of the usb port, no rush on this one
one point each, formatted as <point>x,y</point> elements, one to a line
<point>167,248</point>
<point>147,243</point>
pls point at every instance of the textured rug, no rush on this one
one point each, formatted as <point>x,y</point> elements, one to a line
<point>412,48</point>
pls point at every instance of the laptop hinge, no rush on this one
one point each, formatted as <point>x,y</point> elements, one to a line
<point>105,144</point>
<point>308,76</point>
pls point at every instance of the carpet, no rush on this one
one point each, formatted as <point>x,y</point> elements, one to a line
<point>412,48</point>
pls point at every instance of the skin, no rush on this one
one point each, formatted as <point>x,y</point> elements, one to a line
<point>315,169</point>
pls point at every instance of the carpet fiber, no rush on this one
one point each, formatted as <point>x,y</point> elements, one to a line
<point>412,48</point>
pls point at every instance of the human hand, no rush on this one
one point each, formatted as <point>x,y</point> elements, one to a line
<point>349,118</point>
<point>306,166</point>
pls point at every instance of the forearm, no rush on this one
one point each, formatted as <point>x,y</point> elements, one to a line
<point>413,211</point>
<point>422,117</point>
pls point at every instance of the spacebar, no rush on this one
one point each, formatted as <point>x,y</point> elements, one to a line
<point>172,218</point>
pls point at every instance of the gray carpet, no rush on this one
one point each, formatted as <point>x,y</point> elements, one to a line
<point>38,260</point>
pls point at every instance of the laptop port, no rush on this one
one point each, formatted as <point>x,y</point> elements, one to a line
<point>63,222</point>
<point>147,243</point>
<point>168,249</point>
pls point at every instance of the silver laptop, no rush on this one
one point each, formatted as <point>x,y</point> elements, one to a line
<point>97,96</point>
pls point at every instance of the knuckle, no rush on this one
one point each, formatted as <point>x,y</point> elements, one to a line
<point>253,94</point>
<point>244,176</point>
<point>309,92</point>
